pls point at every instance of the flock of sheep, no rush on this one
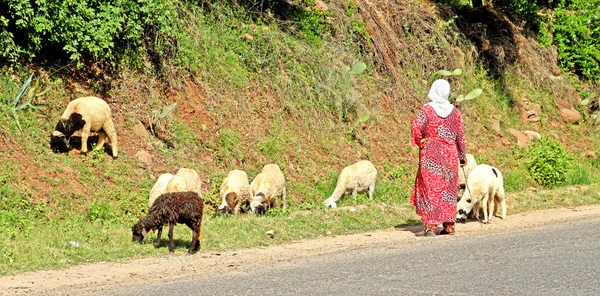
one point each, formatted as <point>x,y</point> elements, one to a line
<point>176,199</point>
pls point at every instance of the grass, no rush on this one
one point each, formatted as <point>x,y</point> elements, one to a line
<point>292,104</point>
<point>84,238</point>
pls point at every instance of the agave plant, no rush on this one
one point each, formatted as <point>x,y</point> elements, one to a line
<point>457,72</point>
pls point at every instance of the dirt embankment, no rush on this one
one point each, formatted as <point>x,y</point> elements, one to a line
<point>99,275</point>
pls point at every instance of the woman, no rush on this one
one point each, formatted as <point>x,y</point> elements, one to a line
<point>438,131</point>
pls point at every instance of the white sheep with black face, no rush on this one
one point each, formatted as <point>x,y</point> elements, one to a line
<point>87,114</point>
<point>485,188</point>
<point>268,189</point>
<point>235,192</point>
<point>357,178</point>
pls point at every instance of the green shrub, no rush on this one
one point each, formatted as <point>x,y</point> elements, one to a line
<point>87,29</point>
<point>577,35</point>
<point>548,162</point>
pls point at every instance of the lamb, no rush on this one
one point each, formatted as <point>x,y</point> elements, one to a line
<point>471,164</point>
<point>485,186</point>
<point>159,188</point>
<point>87,114</point>
<point>172,208</point>
<point>268,188</point>
<point>235,192</point>
<point>185,180</point>
<point>357,178</point>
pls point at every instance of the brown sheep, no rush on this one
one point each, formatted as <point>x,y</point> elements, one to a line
<point>172,208</point>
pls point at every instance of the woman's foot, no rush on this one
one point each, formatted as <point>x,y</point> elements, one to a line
<point>445,232</point>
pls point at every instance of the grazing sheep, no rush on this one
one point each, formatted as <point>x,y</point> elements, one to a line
<point>268,188</point>
<point>471,164</point>
<point>172,208</point>
<point>485,187</point>
<point>357,178</point>
<point>159,188</point>
<point>185,180</point>
<point>87,114</point>
<point>235,192</point>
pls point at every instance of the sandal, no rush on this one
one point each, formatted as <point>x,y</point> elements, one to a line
<point>427,233</point>
<point>444,232</point>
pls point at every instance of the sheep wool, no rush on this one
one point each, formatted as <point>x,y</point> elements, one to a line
<point>485,188</point>
<point>235,192</point>
<point>170,209</point>
<point>191,179</point>
<point>268,189</point>
<point>471,164</point>
<point>87,114</point>
<point>159,188</point>
<point>357,178</point>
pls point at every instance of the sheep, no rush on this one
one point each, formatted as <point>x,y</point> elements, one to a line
<point>268,188</point>
<point>185,180</point>
<point>357,178</point>
<point>159,188</point>
<point>235,192</point>
<point>463,175</point>
<point>485,187</point>
<point>172,208</point>
<point>87,114</point>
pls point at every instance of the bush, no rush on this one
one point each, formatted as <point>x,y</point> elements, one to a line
<point>577,35</point>
<point>87,29</point>
<point>548,162</point>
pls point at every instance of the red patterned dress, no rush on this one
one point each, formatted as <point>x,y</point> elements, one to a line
<point>436,185</point>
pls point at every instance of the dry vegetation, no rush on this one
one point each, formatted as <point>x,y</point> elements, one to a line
<point>293,108</point>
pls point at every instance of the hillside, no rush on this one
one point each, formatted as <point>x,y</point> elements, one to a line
<point>258,91</point>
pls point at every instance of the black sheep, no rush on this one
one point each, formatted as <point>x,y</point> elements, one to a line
<point>172,208</point>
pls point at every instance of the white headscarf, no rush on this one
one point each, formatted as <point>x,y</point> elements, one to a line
<point>438,97</point>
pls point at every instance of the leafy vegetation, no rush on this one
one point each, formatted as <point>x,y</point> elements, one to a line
<point>548,162</point>
<point>238,86</point>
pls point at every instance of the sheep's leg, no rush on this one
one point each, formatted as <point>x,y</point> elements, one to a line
<point>476,211</point>
<point>101,139</point>
<point>284,198</point>
<point>484,206</point>
<point>158,233</point>
<point>492,208</point>
<point>171,242</point>
<point>196,239</point>
<point>371,190</point>
<point>85,133</point>
<point>354,194</point>
<point>503,205</point>
<point>109,128</point>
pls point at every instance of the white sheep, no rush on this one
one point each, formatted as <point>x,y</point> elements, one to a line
<point>268,189</point>
<point>159,188</point>
<point>485,188</point>
<point>466,170</point>
<point>185,180</point>
<point>235,192</point>
<point>357,178</point>
<point>87,114</point>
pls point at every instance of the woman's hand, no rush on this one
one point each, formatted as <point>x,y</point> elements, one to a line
<point>463,162</point>
<point>423,142</point>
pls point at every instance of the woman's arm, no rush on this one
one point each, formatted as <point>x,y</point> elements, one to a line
<point>418,129</point>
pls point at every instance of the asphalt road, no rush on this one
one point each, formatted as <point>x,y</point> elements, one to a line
<point>561,259</point>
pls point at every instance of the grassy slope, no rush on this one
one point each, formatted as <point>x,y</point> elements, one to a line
<point>275,97</point>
